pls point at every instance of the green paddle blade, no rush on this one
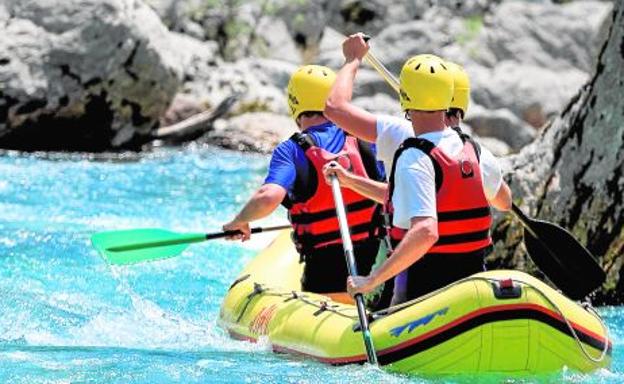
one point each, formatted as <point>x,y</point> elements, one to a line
<point>138,245</point>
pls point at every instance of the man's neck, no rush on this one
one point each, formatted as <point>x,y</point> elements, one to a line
<point>307,122</point>
<point>428,122</point>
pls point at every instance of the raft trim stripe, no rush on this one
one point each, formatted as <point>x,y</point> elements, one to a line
<point>485,316</point>
<point>456,327</point>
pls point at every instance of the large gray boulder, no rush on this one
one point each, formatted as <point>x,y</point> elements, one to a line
<point>82,74</point>
<point>501,124</point>
<point>259,83</point>
<point>551,36</point>
<point>380,103</point>
<point>533,93</point>
<point>528,57</point>
<point>573,174</point>
<point>372,16</point>
<point>253,132</point>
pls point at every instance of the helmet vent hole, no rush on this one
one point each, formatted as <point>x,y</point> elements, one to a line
<point>417,67</point>
<point>309,71</point>
<point>431,69</point>
<point>443,67</point>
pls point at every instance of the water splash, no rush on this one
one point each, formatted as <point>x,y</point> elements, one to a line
<point>69,317</point>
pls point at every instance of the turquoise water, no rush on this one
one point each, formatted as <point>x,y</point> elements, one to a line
<point>66,317</point>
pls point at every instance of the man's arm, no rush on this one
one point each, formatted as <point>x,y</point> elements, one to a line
<point>338,107</point>
<point>496,189</point>
<point>266,199</point>
<point>421,236</point>
<point>374,190</point>
<point>502,201</point>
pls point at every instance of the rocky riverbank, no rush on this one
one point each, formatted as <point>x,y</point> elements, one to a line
<point>89,75</point>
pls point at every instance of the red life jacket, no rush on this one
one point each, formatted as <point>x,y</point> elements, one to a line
<point>464,216</point>
<point>313,217</point>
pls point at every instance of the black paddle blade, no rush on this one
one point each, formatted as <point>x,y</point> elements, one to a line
<point>567,263</point>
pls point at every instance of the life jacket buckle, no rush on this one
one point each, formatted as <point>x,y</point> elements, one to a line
<point>344,161</point>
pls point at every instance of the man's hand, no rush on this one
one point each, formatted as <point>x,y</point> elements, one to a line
<point>334,169</point>
<point>354,47</point>
<point>360,284</point>
<point>245,232</point>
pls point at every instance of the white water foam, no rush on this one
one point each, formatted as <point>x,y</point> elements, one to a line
<point>144,325</point>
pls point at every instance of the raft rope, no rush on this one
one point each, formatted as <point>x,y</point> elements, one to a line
<point>323,306</point>
<point>586,306</point>
<point>590,309</point>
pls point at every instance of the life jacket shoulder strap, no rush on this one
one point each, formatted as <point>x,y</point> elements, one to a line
<point>303,140</point>
<point>369,160</point>
<point>305,180</point>
<point>467,138</point>
<point>426,147</point>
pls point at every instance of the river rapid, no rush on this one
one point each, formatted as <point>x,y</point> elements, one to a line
<point>67,317</point>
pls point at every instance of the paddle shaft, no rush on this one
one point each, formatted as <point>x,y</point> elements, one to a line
<point>191,238</point>
<point>352,268</point>
<point>382,70</point>
<point>524,219</point>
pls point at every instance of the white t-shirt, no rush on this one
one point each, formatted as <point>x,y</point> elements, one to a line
<point>414,191</point>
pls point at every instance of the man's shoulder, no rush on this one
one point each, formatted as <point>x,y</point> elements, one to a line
<point>286,148</point>
<point>395,123</point>
<point>414,158</point>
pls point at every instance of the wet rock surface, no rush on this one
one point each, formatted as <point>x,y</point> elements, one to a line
<point>108,84</point>
<point>82,75</point>
<point>572,174</point>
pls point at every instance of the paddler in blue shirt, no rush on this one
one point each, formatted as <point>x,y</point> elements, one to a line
<point>295,180</point>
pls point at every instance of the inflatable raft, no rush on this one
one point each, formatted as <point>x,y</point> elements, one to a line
<point>496,321</point>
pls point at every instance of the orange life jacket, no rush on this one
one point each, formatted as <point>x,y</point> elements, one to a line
<point>313,212</point>
<point>464,216</point>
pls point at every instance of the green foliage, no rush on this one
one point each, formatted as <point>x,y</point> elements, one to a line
<point>472,27</point>
<point>234,32</point>
<point>251,106</point>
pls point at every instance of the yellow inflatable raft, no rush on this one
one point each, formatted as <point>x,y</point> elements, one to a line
<point>496,321</point>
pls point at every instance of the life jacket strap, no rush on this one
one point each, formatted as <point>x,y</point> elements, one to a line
<point>308,218</point>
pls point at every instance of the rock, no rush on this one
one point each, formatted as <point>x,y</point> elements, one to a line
<point>255,132</point>
<point>183,16</point>
<point>396,43</point>
<point>197,57</point>
<point>554,37</point>
<point>533,93</point>
<point>572,174</point>
<point>501,124</point>
<point>369,82</point>
<point>527,57</point>
<point>330,49</point>
<point>260,83</point>
<point>498,147</point>
<point>275,72</point>
<point>370,16</point>
<point>380,104</point>
<point>306,22</point>
<point>277,43</point>
<point>208,79</point>
<point>182,107</point>
<point>83,74</point>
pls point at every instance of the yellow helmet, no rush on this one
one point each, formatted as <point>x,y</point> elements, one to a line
<point>426,84</point>
<point>461,92</point>
<point>308,89</point>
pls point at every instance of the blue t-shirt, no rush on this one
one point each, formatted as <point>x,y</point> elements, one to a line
<point>287,156</point>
